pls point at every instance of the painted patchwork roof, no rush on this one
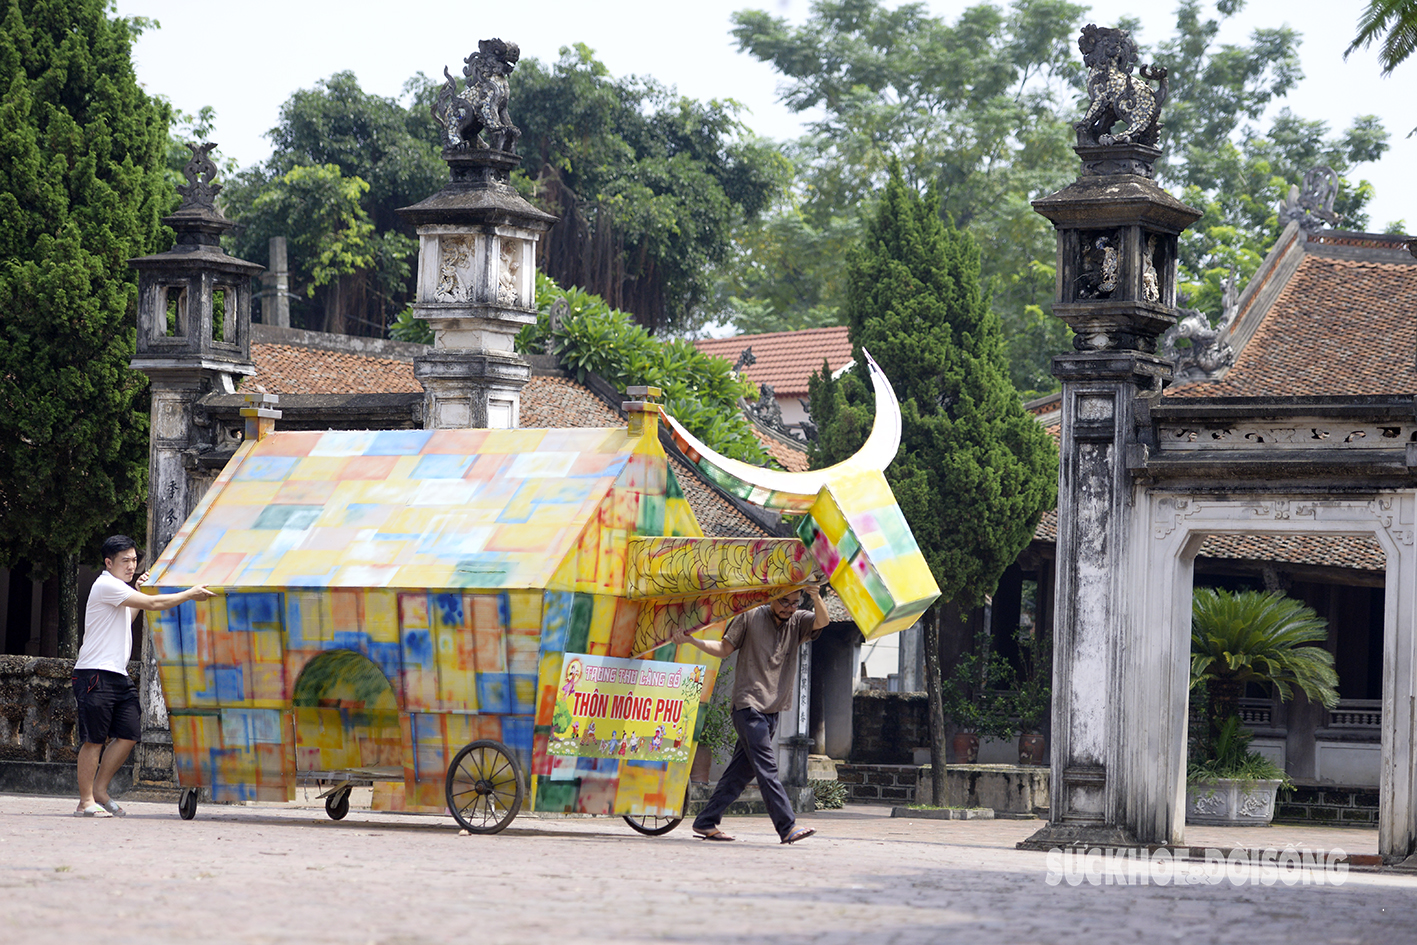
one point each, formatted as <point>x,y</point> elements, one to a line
<point>398,508</point>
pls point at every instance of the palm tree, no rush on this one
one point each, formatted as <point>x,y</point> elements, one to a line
<point>1249,636</point>
<point>1395,18</point>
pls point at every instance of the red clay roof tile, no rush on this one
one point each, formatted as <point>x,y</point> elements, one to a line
<point>288,369</point>
<point>1340,327</point>
<point>786,358</point>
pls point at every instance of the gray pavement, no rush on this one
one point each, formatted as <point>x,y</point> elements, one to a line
<point>287,874</point>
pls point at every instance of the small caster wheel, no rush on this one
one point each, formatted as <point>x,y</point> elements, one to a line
<point>337,804</point>
<point>187,803</point>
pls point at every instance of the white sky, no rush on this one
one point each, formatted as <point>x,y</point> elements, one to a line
<point>246,60</point>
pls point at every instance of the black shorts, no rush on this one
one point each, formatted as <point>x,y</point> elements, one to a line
<point>108,706</point>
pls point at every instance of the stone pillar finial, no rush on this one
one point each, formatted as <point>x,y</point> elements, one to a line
<point>476,254</point>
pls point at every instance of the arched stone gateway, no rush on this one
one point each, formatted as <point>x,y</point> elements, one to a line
<point>1153,673</point>
<point>1185,470</point>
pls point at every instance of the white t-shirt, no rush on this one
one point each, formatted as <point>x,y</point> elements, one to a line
<point>108,635</point>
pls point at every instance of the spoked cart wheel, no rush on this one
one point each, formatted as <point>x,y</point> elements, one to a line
<point>653,826</point>
<point>485,786</point>
<point>337,804</point>
<point>187,803</point>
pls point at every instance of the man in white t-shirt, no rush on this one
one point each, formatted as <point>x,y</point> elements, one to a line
<point>109,713</point>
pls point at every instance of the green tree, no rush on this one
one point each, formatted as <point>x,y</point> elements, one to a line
<point>700,391</point>
<point>330,236</point>
<point>1248,636</point>
<point>1239,186</point>
<point>975,472</point>
<point>981,109</point>
<point>1224,165</point>
<point>82,191</point>
<point>1393,20</point>
<point>650,186</point>
<point>978,109</point>
<point>386,150</point>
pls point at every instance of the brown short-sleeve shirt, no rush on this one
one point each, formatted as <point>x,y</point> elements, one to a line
<point>767,656</point>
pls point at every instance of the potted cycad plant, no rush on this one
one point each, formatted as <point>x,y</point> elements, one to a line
<point>1236,639</point>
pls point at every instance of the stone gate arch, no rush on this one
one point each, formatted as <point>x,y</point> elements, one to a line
<point>1169,532</point>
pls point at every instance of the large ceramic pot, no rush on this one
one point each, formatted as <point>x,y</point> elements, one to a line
<point>1031,749</point>
<point>1231,802</point>
<point>966,748</point>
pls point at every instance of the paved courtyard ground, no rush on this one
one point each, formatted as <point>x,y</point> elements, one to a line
<point>252,875</point>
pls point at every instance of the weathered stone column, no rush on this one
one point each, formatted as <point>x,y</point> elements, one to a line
<point>476,255</point>
<point>1117,235</point>
<point>275,286</point>
<point>194,338</point>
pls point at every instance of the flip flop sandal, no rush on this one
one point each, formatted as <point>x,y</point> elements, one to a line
<point>801,833</point>
<point>93,810</point>
<point>712,835</point>
<point>112,807</point>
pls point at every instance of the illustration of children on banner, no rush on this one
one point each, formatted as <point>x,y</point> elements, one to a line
<point>644,705</point>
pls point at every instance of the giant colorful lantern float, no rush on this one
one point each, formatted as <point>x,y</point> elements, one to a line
<point>481,619</point>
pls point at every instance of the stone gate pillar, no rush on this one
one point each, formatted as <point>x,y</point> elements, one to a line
<point>194,338</point>
<point>1117,234</point>
<point>476,255</point>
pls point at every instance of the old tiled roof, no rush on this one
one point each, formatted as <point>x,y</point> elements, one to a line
<point>1339,327</point>
<point>1332,551</point>
<point>1342,322</point>
<point>561,402</point>
<point>785,359</point>
<point>790,459</point>
<point>547,401</point>
<point>289,369</point>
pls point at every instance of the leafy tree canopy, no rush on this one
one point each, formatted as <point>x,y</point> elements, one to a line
<point>974,472</point>
<point>368,155</point>
<point>651,186</point>
<point>981,109</point>
<point>700,391</point>
<point>82,151</point>
<point>1395,21</point>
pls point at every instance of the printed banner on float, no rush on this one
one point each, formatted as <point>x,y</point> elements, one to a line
<point>633,710</point>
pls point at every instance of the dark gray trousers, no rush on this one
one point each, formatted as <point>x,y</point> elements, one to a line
<point>753,757</point>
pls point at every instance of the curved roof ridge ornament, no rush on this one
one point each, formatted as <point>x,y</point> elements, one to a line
<point>796,491</point>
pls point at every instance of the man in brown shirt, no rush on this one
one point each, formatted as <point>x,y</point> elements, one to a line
<point>767,640</point>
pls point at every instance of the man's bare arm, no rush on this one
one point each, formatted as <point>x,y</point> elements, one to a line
<point>820,618</point>
<point>719,648</point>
<point>167,601</point>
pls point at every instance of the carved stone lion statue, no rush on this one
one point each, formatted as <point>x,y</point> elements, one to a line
<point>481,107</point>
<point>1116,95</point>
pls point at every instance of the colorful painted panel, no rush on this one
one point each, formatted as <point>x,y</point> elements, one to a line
<point>859,535</point>
<point>693,567</point>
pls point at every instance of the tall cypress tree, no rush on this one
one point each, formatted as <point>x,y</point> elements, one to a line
<point>974,472</point>
<point>81,192</point>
